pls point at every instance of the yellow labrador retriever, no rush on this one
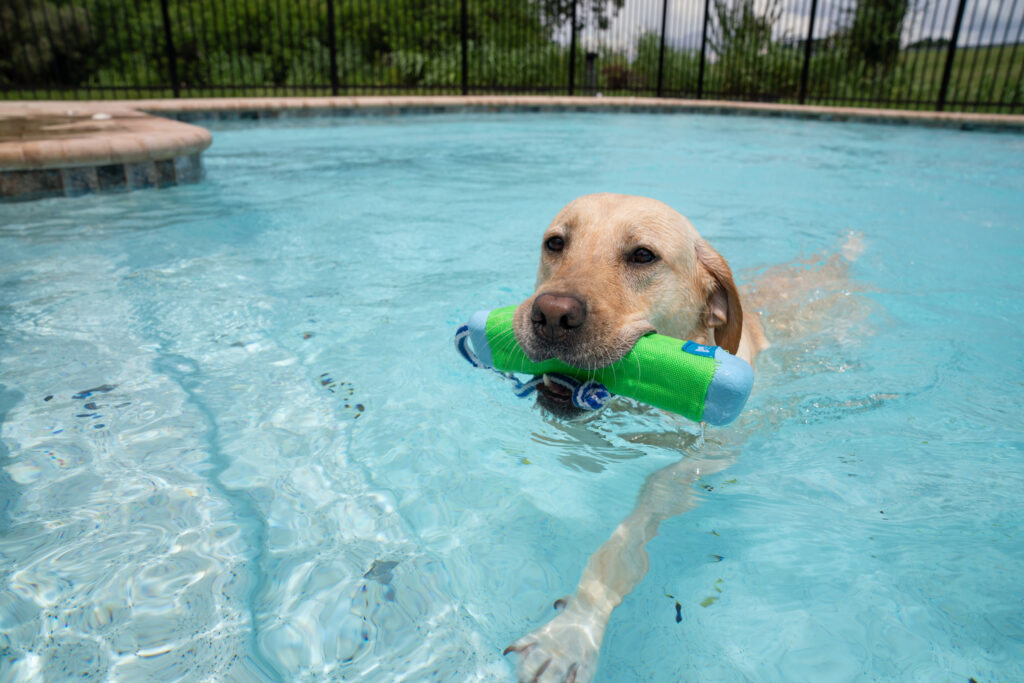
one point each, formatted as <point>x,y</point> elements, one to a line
<point>612,268</point>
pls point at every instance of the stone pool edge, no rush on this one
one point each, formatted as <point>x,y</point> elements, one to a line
<point>68,148</point>
<point>197,109</point>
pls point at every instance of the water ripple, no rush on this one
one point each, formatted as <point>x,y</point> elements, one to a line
<point>235,443</point>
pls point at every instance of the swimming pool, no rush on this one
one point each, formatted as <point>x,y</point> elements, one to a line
<point>237,443</point>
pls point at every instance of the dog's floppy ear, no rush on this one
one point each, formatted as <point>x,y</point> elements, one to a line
<point>723,313</point>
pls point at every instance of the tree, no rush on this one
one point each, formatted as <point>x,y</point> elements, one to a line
<point>49,44</point>
<point>874,32</point>
<point>738,29</point>
<point>749,62</point>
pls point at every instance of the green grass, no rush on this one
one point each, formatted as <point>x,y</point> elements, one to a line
<point>979,74</point>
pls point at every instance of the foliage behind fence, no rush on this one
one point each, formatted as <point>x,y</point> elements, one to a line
<point>926,54</point>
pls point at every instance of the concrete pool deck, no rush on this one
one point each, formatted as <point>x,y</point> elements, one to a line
<point>68,148</point>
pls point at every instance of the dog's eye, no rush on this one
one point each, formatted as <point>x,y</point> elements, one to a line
<point>642,255</point>
<point>555,243</point>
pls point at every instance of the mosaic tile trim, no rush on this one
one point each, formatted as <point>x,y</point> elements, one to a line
<point>256,115</point>
<point>256,109</point>
<point>26,185</point>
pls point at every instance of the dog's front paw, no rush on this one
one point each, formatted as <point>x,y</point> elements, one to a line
<point>564,649</point>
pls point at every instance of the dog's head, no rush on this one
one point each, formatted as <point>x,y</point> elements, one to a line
<point>615,267</point>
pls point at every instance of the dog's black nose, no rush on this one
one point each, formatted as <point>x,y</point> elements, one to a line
<point>556,316</point>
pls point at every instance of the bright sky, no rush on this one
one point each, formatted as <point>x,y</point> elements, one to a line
<point>985,22</point>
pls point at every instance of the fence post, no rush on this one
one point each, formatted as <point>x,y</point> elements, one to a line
<point>590,74</point>
<point>807,53</point>
<point>465,52</point>
<point>332,46</point>
<point>572,52</point>
<point>172,57</point>
<point>703,51</point>
<point>948,70</point>
<point>661,52</point>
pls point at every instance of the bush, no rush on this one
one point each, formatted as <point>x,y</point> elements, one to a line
<point>55,44</point>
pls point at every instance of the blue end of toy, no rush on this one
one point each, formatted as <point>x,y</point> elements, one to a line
<point>729,389</point>
<point>478,338</point>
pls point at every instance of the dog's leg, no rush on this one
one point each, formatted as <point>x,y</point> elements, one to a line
<point>567,647</point>
<point>799,300</point>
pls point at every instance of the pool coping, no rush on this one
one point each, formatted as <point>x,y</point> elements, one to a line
<point>67,148</point>
<point>52,149</point>
<point>198,108</point>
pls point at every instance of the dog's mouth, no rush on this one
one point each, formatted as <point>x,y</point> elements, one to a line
<point>554,392</point>
<point>598,343</point>
<point>557,399</point>
<point>584,354</point>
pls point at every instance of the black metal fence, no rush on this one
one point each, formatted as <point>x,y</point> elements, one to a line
<point>964,55</point>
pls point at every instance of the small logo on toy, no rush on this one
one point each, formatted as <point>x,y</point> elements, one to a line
<point>700,349</point>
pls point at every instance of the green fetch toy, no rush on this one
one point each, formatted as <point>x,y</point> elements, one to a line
<point>698,381</point>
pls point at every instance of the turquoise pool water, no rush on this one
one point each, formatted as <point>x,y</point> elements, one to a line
<point>236,443</point>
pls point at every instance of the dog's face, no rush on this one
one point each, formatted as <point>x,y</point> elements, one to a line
<point>615,267</point>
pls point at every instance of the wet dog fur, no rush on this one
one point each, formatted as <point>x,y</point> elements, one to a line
<point>612,268</point>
